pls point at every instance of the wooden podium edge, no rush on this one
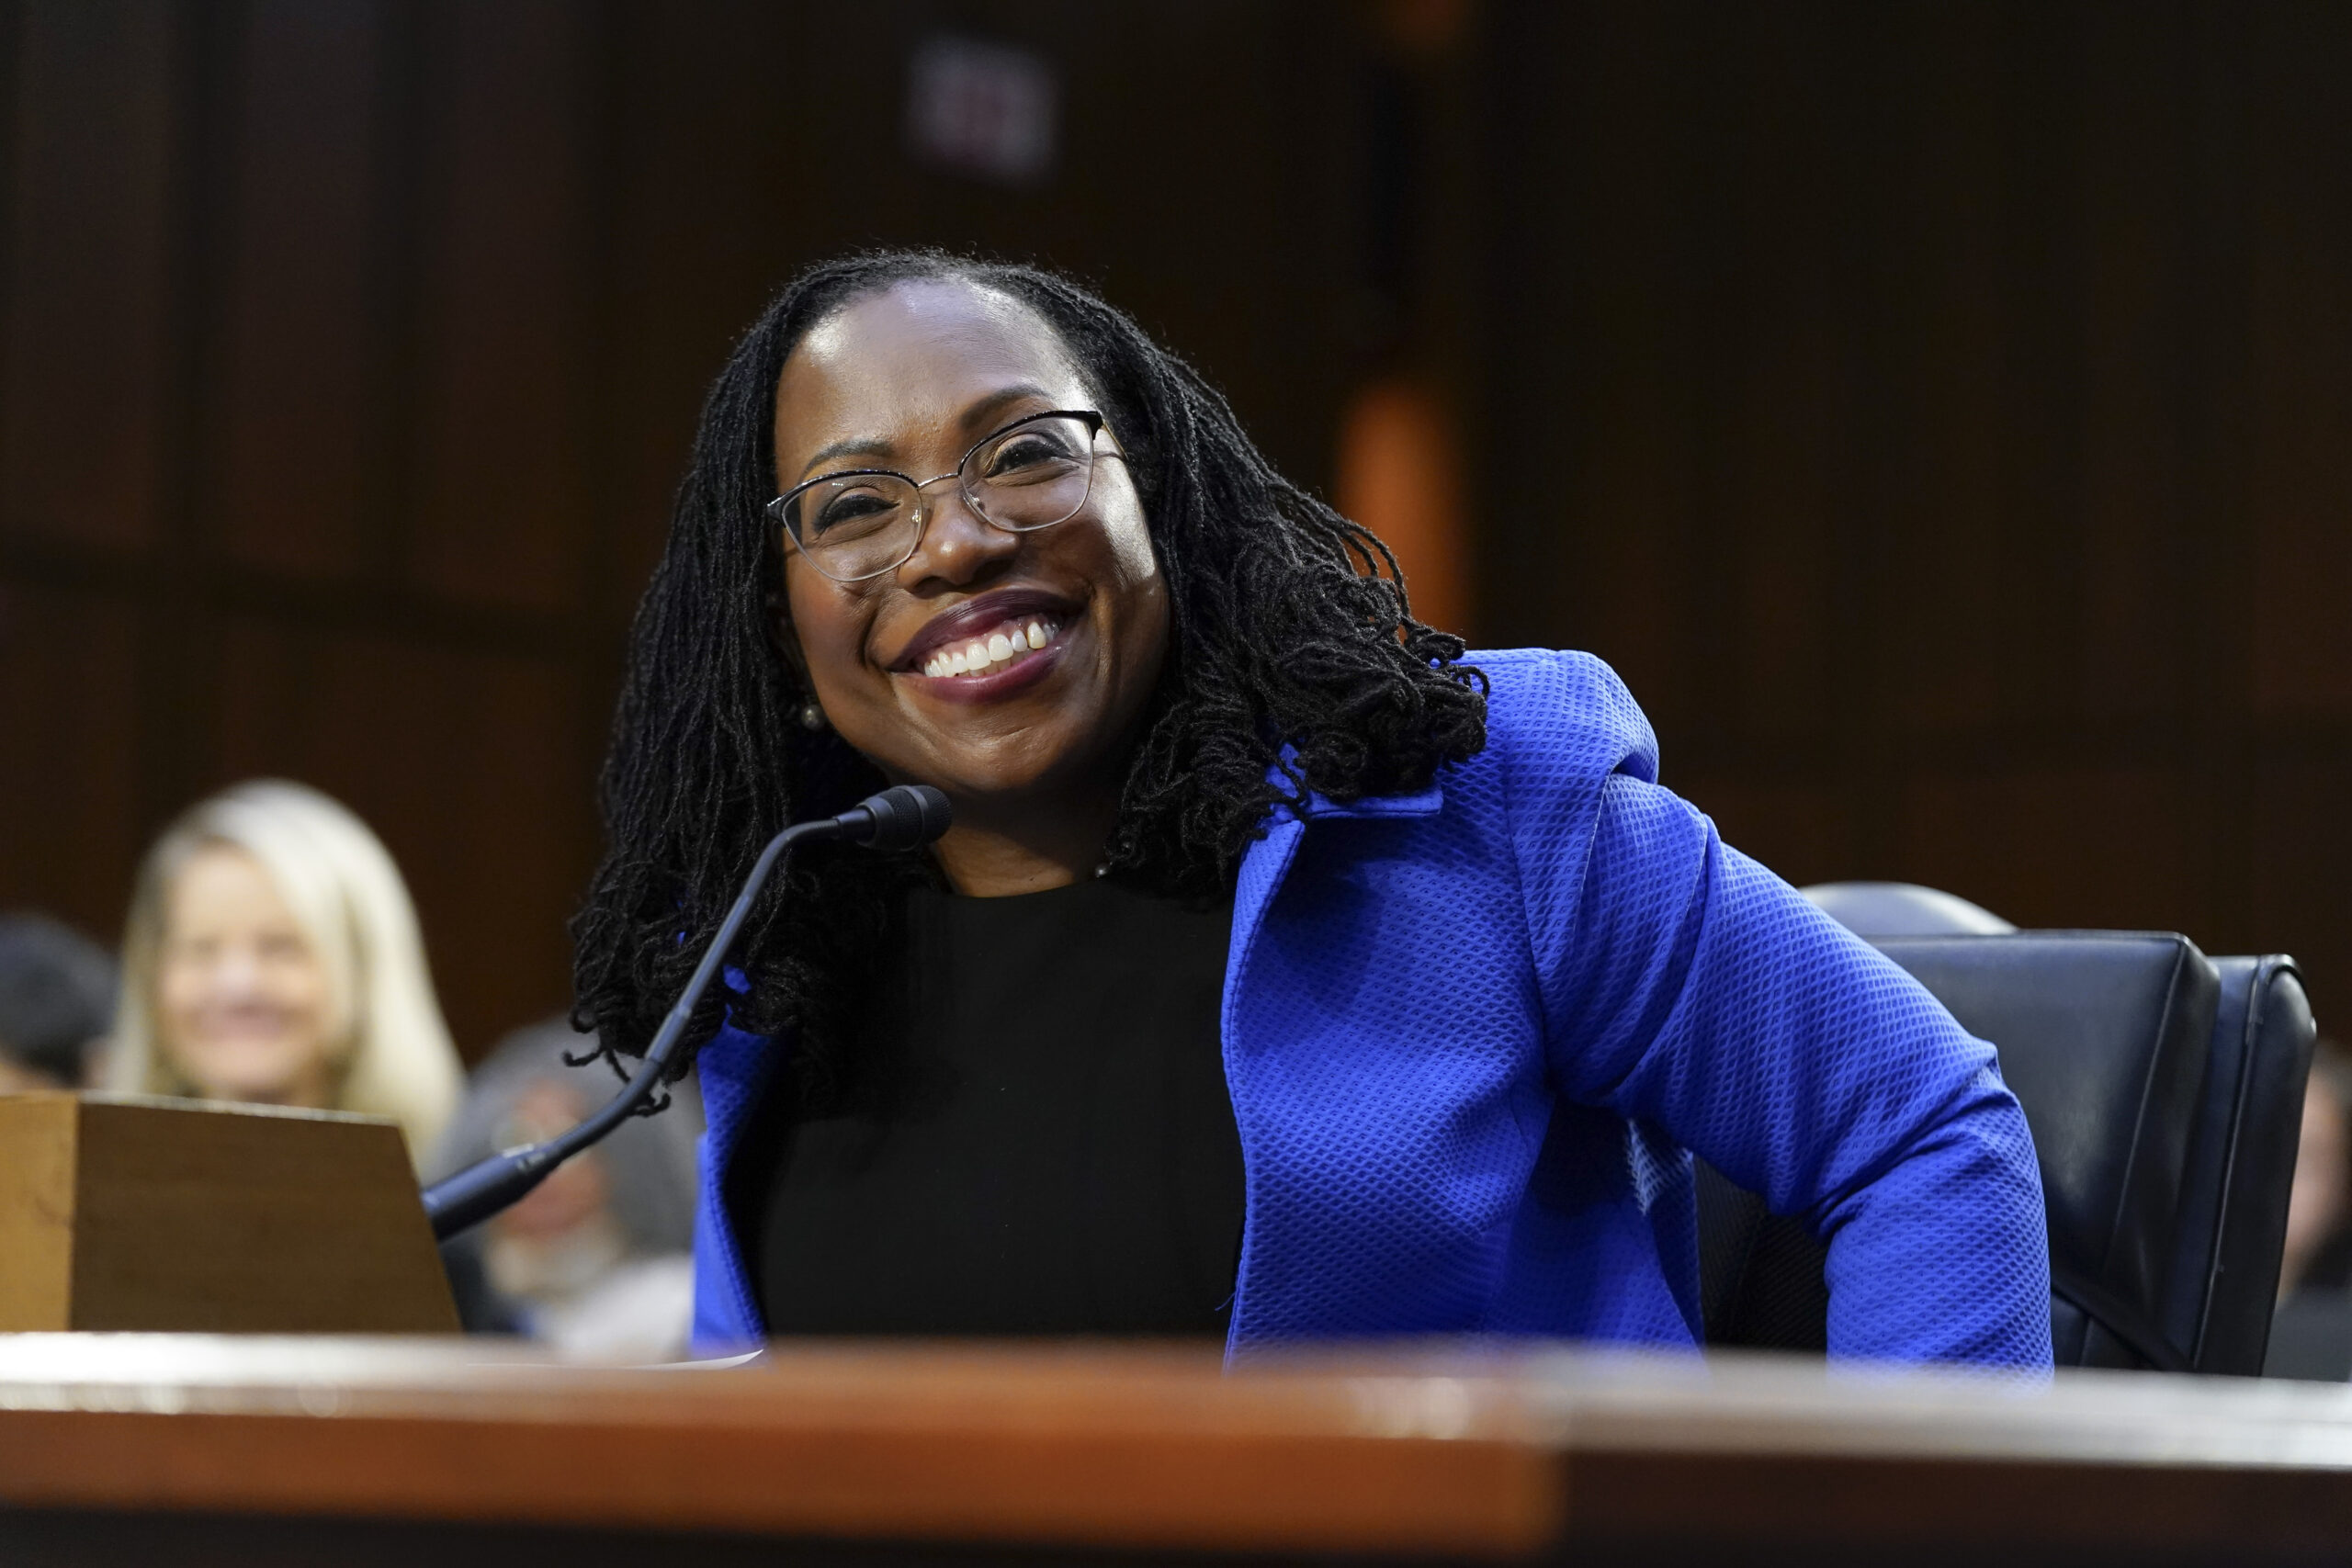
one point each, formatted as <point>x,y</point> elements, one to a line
<point>1141,1491</point>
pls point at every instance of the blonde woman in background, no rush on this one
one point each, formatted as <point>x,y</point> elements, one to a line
<point>272,957</point>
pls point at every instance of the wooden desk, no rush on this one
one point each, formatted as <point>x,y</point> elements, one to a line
<point>198,1450</point>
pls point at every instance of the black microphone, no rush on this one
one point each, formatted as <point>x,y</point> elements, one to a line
<point>904,817</point>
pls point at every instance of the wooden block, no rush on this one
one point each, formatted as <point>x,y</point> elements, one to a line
<point>124,1213</point>
<point>37,1211</point>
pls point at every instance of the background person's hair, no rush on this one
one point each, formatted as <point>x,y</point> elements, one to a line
<point>56,996</point>
<point>389,1050</point>
<point>1292,653</point>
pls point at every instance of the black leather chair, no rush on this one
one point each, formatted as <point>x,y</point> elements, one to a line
<point>2233,1219</point>
<point>1875,909</point>
<point>2165,1091</point>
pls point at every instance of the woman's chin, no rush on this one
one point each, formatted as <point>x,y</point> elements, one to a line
<point>277,1080</point>
<point>974,784</point>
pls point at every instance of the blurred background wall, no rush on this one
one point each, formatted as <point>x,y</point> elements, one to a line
<point>1941,415</point>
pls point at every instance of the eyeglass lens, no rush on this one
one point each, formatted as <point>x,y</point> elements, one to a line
<point>1032,476</point>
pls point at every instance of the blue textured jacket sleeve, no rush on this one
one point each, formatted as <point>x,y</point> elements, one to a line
<point>1687,987</point>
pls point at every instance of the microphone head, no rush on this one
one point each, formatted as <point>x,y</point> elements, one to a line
<point>903,817</point>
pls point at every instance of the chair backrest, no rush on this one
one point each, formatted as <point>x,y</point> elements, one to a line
<point>2104,1038</point>
<point>2233,1226</point>
<point>1873,909</point>
<point>2165,1091</point>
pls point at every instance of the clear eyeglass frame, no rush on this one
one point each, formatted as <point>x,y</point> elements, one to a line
<point>896,511</point>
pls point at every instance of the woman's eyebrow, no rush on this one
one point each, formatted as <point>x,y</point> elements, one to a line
<point>985,409</point>
<point>976,415</point>
<point>863,447</point>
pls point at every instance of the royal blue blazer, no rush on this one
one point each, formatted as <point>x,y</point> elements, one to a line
<point>1473,1033</point>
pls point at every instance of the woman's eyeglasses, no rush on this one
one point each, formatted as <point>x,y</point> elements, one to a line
<point>1033,473</point>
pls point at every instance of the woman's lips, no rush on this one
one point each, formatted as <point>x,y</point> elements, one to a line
<point>992,648</point>
<point>244,1024</point>
<point>959,626</point>
<point>1009,658</point>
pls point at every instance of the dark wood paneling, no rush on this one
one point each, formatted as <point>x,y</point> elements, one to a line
<point>500,479</point>
<point>2129,660</point>
<point>90,158</point>
<point>1786,428</point>
<point>2089,845</point>
<point>2300,390</point>
<point>1937,413</point>
<point>1949,567</point>
<point>702,163</point>
<point>299,430</point>
<point>2299,861</point>
<point>69,816</point>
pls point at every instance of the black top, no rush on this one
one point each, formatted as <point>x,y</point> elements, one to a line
<point>1039,1139</point>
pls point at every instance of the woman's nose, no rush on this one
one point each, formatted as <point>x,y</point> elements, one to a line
<point>957,543</point>
<point>236,975</point>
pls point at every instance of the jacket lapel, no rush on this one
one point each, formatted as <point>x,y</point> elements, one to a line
<point>731,1070</point>
<point>1263,865</point>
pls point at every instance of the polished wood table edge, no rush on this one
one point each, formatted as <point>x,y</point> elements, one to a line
<point>1121,1447</point>
<point>1453,1450</point>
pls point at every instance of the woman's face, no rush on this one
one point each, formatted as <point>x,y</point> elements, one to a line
<point>242,1001</point>
<point>908,380</point>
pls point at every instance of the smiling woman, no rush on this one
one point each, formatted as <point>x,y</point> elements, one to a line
<point>1285,972</point>
<point>1037,523</point>
<point>272,957</point>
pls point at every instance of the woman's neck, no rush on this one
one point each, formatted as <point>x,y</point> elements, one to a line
<point>996,854</point>
<point>311,1089</point>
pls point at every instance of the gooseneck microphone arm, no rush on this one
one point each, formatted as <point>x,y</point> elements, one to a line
<point>903,817</point>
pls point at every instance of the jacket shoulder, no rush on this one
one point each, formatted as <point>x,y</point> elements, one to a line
<point>1562,713</point>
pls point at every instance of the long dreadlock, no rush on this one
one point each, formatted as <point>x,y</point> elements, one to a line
<point>1294,665</point>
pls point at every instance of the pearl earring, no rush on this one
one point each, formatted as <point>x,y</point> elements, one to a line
<point>812,718</point>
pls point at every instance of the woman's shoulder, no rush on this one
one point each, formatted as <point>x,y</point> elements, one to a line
<point>1561,712</point>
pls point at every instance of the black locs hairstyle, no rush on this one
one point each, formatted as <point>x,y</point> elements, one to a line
<point>1292,654</point>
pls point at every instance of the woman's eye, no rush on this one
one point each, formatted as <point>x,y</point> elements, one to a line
<point>1030,450</point>
<point>854,507</point>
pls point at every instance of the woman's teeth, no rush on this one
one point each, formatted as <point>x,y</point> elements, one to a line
<point>1009,644</point>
